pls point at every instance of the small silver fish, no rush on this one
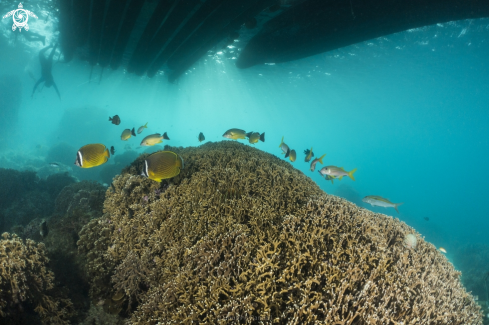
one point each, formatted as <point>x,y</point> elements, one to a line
<point>379,201</point>
<point>337,172</point>
<point>53,164</point>
<point>141,128</point>
<point>315,161</point>
<point>285,148</point>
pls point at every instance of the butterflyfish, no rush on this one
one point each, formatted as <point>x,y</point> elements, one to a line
<point>92,155</point>
<point>162,165</point>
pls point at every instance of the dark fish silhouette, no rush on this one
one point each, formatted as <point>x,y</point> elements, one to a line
<point>112,150</point>
<point>115,120</point>
<point>201,137</point>
<point>309,154</point>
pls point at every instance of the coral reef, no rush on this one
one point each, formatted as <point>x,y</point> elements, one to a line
<point>27,285</point>
<point>55,183</point>
<point>93,244</point>
<point>87,196</point>
<point>30,205</point>
<point>25,197</point>
<point>97,316</point>
<point>14,185</point>
<point>240,236</point>
<point>74,207</point>
<point>473,261</point>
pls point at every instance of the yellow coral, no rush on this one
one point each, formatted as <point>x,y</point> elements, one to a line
<point>25,277</point>
<point>240,236</point>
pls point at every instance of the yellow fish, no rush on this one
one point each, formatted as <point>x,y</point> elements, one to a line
<point>442,250</point>
<point>235,134</point>
<point>329,178</point>
<point>285,148</point>
<point>337,172</point>
<point>153,139</point>
<point>162,165</point>
<point>315,161</point>
<point>92,155</point>
<point>309,154</point>
<point>126,134</point>
<point>253,137</point>
<point>292,155</point>
<point>141,128</point>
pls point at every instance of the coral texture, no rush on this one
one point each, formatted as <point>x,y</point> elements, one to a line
<point>87,196</point>
<point>240,236</point>
<point>24,196</point>
<point>25,280</point>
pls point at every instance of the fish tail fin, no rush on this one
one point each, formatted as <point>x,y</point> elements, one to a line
<point>165,136</point>
<point>396,205</point>
<point>262,137</point>
<point>321,159</point>
<point>280,145</point>
<point>133,132</point>
<point>107,153</point>
<point>287,154</point>
<point>110,118</point>
<point>146,125</point>
<point>312,153</point>
<point>249,134</point>
<point>350,174</point>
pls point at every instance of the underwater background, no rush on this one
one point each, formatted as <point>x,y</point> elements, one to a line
<point>410,111</point>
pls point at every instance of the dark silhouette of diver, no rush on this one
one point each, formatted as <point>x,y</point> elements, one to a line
<point>46,66</point>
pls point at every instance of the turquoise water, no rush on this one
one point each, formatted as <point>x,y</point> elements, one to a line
<point>410,111</point>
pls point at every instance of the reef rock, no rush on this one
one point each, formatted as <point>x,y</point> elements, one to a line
<point>241,236</point>
<point>27,285</point>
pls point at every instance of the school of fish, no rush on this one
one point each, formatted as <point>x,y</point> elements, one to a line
<point>166,164</point>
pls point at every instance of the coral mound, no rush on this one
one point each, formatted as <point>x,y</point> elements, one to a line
<point>25,281</point>
<point>240,236</point>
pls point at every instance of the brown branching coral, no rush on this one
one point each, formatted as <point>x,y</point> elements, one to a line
<point>93,244</point>
<point>240,236</point>
<point>132,276</point>
<point>25,279</point>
